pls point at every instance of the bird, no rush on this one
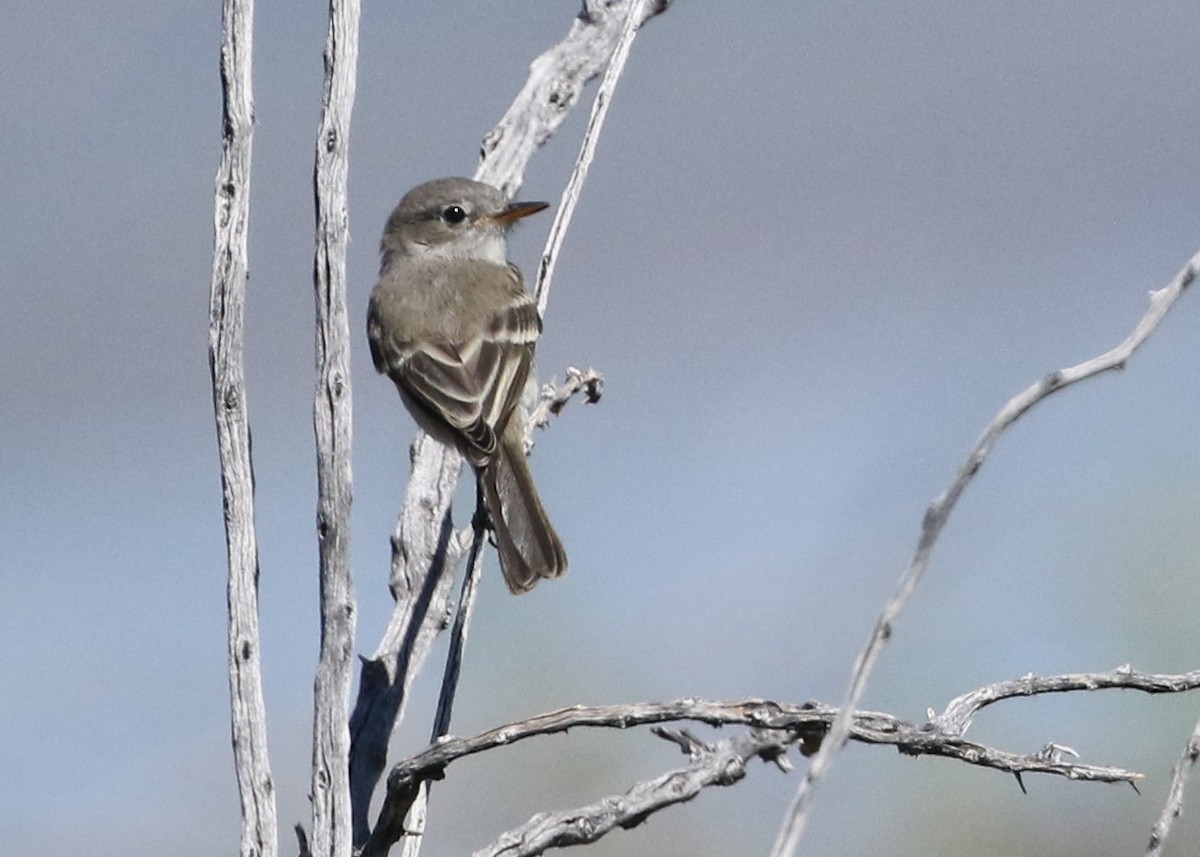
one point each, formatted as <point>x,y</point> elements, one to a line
<point>451,324</point>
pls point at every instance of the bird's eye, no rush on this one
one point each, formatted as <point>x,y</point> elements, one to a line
<point>454,214</point>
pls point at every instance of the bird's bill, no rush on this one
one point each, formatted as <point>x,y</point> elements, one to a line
<point>514,211</point>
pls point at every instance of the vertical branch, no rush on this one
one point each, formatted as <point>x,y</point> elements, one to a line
<point>458,632</point>
<point>225,356</point>
<point>331,834</point>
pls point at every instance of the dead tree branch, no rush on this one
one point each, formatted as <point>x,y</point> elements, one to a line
<point>226,358</point>
<point>774,727</point>
<point>330,791</point>
<point>721,764</point>
<point>935,520</point>
<point>554,396</point>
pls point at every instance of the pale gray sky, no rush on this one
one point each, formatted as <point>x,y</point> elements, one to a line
<point>821,245</point>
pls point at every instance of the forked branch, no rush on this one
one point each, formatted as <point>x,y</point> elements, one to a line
<point>935,520</point>
<point>774,727</point>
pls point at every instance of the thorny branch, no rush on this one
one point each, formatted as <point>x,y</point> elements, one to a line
<point>773,725</point>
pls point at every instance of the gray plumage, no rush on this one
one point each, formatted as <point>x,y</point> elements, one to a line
<point>451,324</point>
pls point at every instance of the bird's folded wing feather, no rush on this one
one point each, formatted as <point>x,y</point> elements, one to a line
<point>474,386</point>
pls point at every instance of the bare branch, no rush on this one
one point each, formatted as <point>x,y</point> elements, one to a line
<point>587,150</point>
<point>556,79</point>
<point>936,516</point>
<point>722,764</point>
<point>553,397</point>
<point>807,724</point>
<point>1174,805</point>
<point>330,794</point>
<point>774,728</point>
<point>226,359</point>
<point>809,720</point>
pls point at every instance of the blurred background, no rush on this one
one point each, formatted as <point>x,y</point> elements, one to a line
<point>821,245</point>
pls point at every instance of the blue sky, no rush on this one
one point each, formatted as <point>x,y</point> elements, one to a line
<point>820,246</point>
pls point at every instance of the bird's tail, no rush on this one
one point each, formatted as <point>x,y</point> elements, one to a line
<point>529,548</point>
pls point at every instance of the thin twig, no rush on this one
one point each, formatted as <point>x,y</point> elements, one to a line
<point>808,723</point>
<point>957,717</point>
<point>936,516</point>
<point>553,397</point>
<point>462,625</point>
<point>414,818</point>
<point>330,793</point>
<point>226,357</point>
<point>587,150</point>
<point>556,80</point>
<point>1174,805</point>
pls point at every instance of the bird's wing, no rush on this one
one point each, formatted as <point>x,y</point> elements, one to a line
<point>506,358</point>
<point>473,386</point>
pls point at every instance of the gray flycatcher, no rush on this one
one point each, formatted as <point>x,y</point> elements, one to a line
<point>451,324</point>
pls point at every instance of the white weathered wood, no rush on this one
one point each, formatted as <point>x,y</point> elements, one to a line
<point>256,789</point>
<point>332,415</point>
<point>556,80</point>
